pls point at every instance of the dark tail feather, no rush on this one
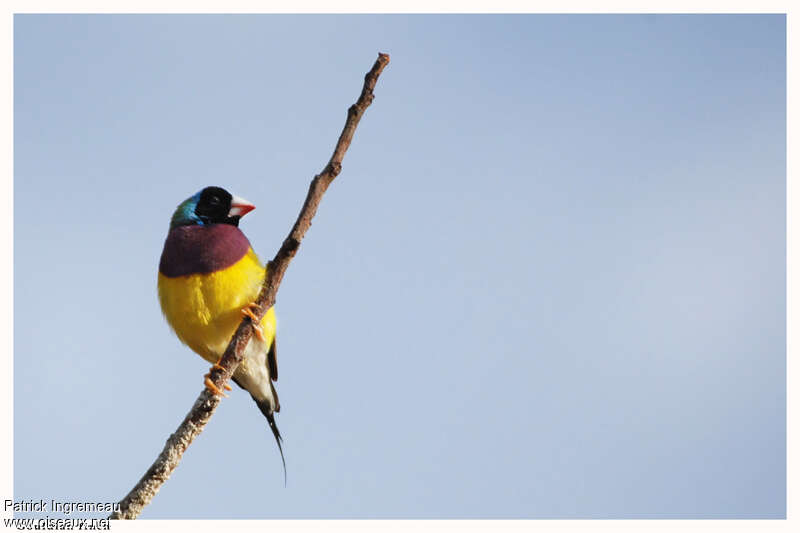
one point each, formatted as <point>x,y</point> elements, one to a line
<point>264,407</point>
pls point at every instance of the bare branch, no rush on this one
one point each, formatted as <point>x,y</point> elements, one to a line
<point>205,405</point>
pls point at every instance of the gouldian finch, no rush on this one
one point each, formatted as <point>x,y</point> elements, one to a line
<point>208,278</point>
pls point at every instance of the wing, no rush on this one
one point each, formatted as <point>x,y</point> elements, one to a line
<point>272,362</point>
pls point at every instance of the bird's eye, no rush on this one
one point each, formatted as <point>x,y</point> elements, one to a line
<point>214,200</point>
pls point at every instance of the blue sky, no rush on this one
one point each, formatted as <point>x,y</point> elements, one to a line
<point>549,283</point>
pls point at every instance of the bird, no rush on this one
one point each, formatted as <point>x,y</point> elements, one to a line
<point>208,279</point>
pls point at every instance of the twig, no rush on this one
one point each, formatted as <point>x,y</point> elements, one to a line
<point>205,405</point>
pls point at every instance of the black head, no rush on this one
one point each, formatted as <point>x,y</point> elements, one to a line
<point>212,205</point>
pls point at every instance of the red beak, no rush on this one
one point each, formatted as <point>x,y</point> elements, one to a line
<point>240,207</point>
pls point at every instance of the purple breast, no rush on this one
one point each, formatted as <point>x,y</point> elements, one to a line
<point>202,249</point>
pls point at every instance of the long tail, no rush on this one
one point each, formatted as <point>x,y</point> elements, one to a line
<point>266,410</point>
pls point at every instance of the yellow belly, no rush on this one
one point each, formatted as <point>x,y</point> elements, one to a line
<point>204,310</point>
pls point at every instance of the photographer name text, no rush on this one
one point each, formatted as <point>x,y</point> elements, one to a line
<point>55,506</point>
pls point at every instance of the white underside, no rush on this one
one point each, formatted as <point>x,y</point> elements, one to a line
<point>253,373</point>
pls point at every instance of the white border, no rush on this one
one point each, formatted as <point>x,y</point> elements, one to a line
<point>411,6</point>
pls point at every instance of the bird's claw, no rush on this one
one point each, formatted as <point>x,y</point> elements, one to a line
<point>248,312</point>
<point>210,384</point>
<point>213,388</point>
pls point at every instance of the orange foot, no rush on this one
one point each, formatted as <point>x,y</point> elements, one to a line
<point>210,384</point>
<point>248,311</point>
